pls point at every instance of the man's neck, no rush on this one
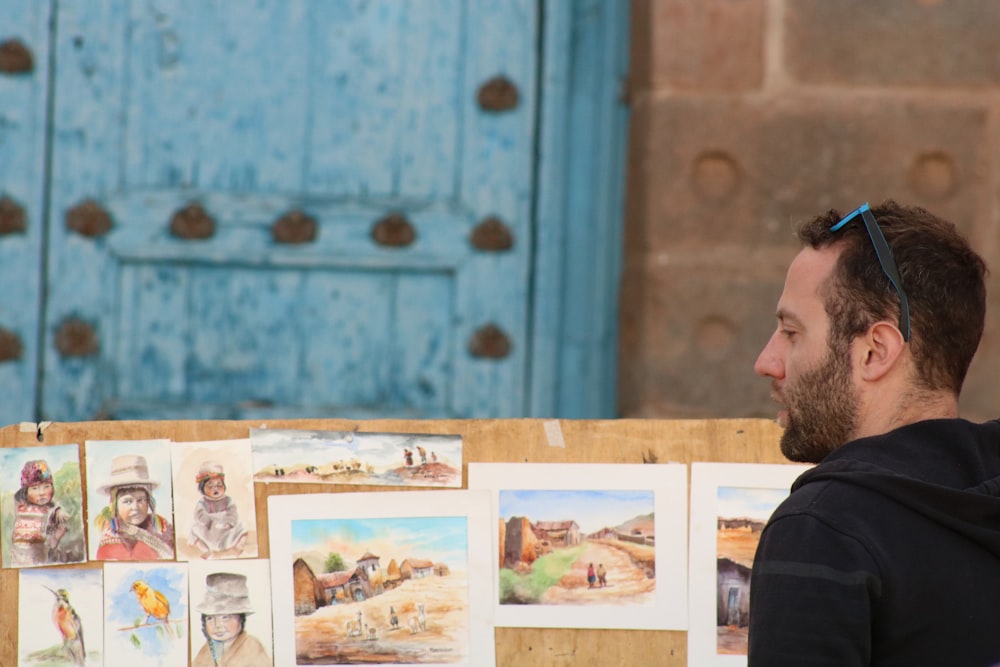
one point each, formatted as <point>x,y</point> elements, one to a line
<point>906,407</point>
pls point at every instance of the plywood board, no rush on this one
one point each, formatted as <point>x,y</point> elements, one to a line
<point>500,440</point>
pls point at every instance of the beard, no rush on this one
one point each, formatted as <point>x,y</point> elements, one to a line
<point>822,409</point>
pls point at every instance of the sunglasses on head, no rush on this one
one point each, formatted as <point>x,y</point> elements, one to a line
<point>885,260</point>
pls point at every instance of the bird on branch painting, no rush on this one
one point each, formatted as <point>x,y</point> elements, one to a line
<point>154,603</point>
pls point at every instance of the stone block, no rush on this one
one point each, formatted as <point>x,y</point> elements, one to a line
<point>892,42</point>
<point>705,170</point>
<point>692,327</point>
<point>700,45</point>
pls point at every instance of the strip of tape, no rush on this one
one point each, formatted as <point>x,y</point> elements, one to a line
<point>28,427</point>
<point>553,433</point>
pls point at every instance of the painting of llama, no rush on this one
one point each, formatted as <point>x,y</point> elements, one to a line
<point>378,589</point>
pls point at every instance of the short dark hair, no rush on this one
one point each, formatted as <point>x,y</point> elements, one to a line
<point>942,275</point>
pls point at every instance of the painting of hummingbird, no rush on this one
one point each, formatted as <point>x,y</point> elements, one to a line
<point>154,603</point>
<point>67,621</point>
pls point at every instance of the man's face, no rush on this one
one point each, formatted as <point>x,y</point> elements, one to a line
<point>813,381</point>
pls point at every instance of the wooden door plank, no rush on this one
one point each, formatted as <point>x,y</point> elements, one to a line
<point>23,113</point>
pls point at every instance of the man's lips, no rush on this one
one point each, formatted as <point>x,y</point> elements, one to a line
<point>782,416</point>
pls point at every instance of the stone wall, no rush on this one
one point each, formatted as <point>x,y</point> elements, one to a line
<point>749,116</point>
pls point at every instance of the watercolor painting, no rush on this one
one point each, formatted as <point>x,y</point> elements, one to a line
<point>41,506</point>
<point>215,514</point>
<point>381,578</point>
<point>129,500</point>
<point>337,457</point>
<point>730,504</point>
<point>60,617</point>
<point>588,545</point>
<point>230,613</point>
<point>146,614</point>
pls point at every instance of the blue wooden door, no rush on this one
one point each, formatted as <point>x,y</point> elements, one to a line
<point>289,207</point>
<point>188,134</point>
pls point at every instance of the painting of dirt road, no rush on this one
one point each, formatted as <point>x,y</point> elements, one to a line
<point>743,512</point>
<point>587,545</point>
<point>381,590</point>
<point>566,547</point>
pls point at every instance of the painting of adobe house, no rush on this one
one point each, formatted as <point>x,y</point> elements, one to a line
<point>587,538</point>
<point>407,583</point>
<point>730,505</point>
<point>338,457</point>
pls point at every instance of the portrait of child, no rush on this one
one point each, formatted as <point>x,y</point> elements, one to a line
<point>214,503</point>
<point>217,528</point>
<point>42,516</point>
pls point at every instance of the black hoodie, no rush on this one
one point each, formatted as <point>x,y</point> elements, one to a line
<point>886,553</point>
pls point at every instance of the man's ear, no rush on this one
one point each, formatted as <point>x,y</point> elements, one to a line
<point>881,348</point>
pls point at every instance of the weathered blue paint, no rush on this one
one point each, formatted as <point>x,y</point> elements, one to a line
<point>346,110</point>
<point>580,209</point>
<point>23,100</point>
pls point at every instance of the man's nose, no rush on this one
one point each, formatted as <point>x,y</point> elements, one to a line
<point>768,363</point>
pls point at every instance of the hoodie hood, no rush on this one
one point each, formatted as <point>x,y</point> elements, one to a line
<point>946,470</point>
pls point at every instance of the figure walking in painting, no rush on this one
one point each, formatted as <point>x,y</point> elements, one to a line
<point>591,576</point>
<point>68,623</point>
<point>423,455</point>
<point>393,619</point>
<point>131,528</point>
<point>224,614</point>
<point>217,527</point>
<point>408,456</point>
<point>154,603</point>
<point>602,575</point>
<point>39,524</point>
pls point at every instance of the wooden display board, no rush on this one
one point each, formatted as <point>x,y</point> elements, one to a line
<point>494,440</point>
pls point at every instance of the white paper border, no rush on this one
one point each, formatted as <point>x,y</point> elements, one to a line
<point>706,479</point>
<point>668,482</point>
<point>474,505</point>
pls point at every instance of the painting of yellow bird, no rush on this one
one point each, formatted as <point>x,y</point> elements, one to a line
<point>154,603</point>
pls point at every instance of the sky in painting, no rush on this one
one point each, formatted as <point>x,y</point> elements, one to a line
<point>289,447</point>
<point>592,510</point>
<point>737,502</point>
<point>439,539</point>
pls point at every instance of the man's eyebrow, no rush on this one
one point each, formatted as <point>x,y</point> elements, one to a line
<point>787,317</point>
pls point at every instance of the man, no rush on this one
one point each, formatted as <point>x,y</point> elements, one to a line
<point>888,551</point>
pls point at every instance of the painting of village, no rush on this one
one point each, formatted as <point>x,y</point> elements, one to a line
<point>566,547</point>
<point>336,457</point>
<point>381,590</point>
<point>742,514</point>
<point>730,504</point>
